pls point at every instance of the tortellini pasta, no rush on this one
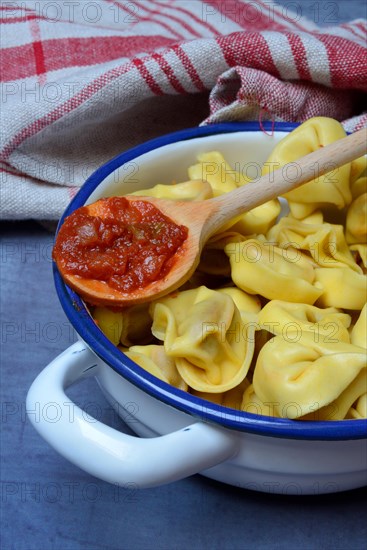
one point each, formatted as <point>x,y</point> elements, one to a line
<point>110,322</point>
<point>342,287</point>
<point>213,168</point>
<point>325,242</point>
<point>192,190</point>
<point>359,410</point>
<point>356,229</point>
<point>359,252</point>
<point>251,403</point>
<point>155,360</point>
<point>213,260</point>
<point>358,179</point>
<point>291,320</point>
<point>263,268</point>
<point>336,273</point>
<point>274,320</point>
<point>300,377</point>
<point>204,332</point>
<point>125,327</point>
<point>231,398</point>
<point>249,306</point>
<point>359,187</point>
<point>331,189</point>
<point>358,335</point>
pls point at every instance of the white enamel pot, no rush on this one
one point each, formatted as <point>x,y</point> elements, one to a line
<point>180,434</point>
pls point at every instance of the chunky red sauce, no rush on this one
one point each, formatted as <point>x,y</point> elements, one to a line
<point>128,246</point>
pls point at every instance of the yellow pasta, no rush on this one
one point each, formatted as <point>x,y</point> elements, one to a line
<point>126,326</point>
<point>315,218</point>
<point>325,242</point>
<point>359,409</point>
<point>110,322</point>
<point>231,398</point>
<point>304,376</point>
<point>248,305</point>
<point>356,224</point>
<point>213,260</point>
<point>291,320</point>
<point>259,219</point>
<point>213,168</point>
<point>154,359</point>
<point>204,331</point>
<point>331,189</point>
<point>359,187</point>
<point>359,252</point>
<point>358,179</point>
<point>342,287</point>
<point>274,320</point>
<point>358,335</point>
<point>136,325</point>
<point>262,268</point>
<point>251,403</point>
<point>192,190</point>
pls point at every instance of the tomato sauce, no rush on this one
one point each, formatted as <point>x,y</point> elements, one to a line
<point>128,245</point>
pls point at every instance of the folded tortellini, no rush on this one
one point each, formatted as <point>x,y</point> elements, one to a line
<point>248,305</point>
<point>359,187</point>
<point>136,325</point>
<point>291,320</point>
<point>213,168</point>
<point>110,322</point>
<point>302,377</point>
<point>213,259</point>
<point>154,359</point>
<point>358,177</point>
<point>359,409</point>
<point>342,288</point>
<point>204,332</point>
<point>192,190</point>
<point>251,403</point>
<point>331,189</point>
<point>358,335</point>
<point>259,219</point>
<point>222,178</point>
<point>325,242</point>
<point>356,223</point>
<point>336,410</point>
<point>127,327</point>
<point>337,271</point>
<point>231,398</point>
<point>359,252</point>
<point>260,267</point>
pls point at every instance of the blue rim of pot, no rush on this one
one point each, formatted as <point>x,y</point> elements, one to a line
<point>77,313</point>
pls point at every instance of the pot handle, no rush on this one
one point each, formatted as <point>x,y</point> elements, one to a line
<point>106,453</point>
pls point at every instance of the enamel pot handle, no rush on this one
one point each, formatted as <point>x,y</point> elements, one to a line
<point>107,453</point>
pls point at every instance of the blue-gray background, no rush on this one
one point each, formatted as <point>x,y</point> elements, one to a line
<point>49,504</point>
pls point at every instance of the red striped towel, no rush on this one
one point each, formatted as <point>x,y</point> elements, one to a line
<point>83,81</point>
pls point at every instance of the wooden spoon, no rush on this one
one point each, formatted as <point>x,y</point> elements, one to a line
<point>204,218</point>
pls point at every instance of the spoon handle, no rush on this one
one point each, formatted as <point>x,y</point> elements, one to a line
<point>288,177</point>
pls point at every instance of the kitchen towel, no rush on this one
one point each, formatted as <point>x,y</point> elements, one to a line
<point>82,81</point>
